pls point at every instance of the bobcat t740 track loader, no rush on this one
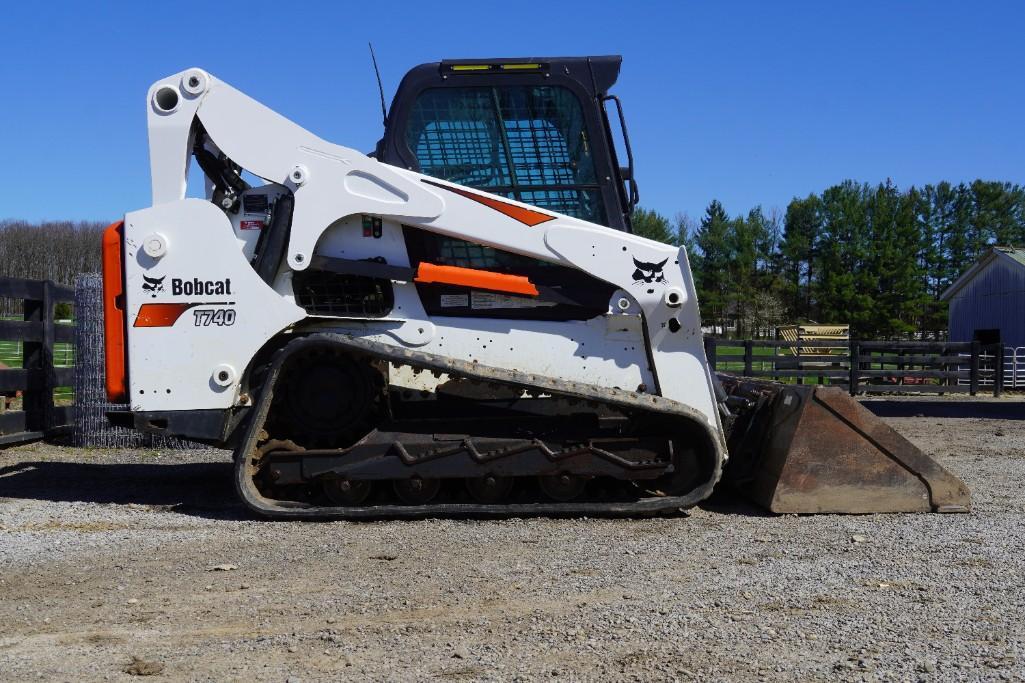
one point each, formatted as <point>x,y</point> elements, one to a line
<point>460,323</point>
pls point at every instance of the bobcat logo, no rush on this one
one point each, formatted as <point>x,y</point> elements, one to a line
<point>153,285</point>
<point>649,272</point>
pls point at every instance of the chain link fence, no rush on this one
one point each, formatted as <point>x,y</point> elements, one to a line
<point>91,426</point>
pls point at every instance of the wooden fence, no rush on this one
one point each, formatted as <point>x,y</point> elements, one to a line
<point>862,366</point>
<point>32,339</point>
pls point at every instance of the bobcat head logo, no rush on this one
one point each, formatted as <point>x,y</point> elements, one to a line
<point>153,285</point>
<point>649,272</point>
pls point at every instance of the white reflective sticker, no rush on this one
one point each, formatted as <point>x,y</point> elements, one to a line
<point>454,300</point>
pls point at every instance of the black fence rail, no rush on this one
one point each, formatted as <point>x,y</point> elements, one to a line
<point>863,366</point>
<point>34,382</point>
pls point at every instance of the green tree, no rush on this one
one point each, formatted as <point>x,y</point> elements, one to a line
<point>748,243</point>
<point>893,266</point>
<point>653,225</point>
<point>943,223</point>
<point>802,226</point>
<point>997,218</point>
<point>845,286</point>
<point>712,242</point>
<point>766,306</point>
<point>686,229</point>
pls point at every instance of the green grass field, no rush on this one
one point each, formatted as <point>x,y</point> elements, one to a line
<point>63,357</point>
<point>763,360</point>
<point>738,366</point>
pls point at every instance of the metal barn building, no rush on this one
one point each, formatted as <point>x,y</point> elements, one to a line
<point>987,303</point>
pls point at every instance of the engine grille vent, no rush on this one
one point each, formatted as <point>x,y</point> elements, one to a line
<point>324,293</point>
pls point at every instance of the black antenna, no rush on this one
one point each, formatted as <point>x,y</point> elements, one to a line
<point>380,88</point>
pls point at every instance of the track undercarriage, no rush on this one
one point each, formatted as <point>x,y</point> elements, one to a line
<point>329,438</point>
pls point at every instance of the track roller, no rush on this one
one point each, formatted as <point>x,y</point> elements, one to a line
<point>346,492</point>
<point>562,487</point>
<point>489,488</point>
<point>416,490</point>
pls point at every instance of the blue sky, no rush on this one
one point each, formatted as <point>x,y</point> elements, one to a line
<point>746,102</point>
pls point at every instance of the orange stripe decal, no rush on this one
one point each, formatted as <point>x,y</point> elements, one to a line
<point>116,370</point>
<point>471,277</point>
<point>519,213</point>
<point>160,315</point>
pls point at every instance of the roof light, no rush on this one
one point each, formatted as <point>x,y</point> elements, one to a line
<point>480,68</point>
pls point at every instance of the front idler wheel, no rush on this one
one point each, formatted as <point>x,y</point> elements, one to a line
<point>326,398</point>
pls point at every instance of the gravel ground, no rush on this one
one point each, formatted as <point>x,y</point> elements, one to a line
<point>109,570</point>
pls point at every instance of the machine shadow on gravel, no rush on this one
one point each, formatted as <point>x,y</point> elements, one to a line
<point>196,489</point>
<point>202,489</point>
<point>726,501</point>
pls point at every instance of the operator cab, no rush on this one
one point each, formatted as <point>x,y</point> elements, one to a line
<point>532,129</point>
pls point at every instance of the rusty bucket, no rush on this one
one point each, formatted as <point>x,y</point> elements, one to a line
<point>813,449</point>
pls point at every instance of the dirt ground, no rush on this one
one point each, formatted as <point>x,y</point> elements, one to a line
<point>115,565</point>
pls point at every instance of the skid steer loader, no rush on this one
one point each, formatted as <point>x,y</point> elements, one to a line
<point>458,323</point>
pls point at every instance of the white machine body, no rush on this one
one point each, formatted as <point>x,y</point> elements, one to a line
<point>188,259</point>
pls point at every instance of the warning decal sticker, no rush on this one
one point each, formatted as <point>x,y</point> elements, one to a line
<point>490,300</point>
<point>455,300</point>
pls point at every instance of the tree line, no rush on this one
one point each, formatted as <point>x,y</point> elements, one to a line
<point>873,256</point>
<point>56,250</point>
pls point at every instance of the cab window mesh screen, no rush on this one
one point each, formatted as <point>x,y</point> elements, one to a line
<point>454,135</point>
<point>547,141</point>
<point>524,142</point>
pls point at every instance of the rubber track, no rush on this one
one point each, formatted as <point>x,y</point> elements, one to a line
<point>631,401</point>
